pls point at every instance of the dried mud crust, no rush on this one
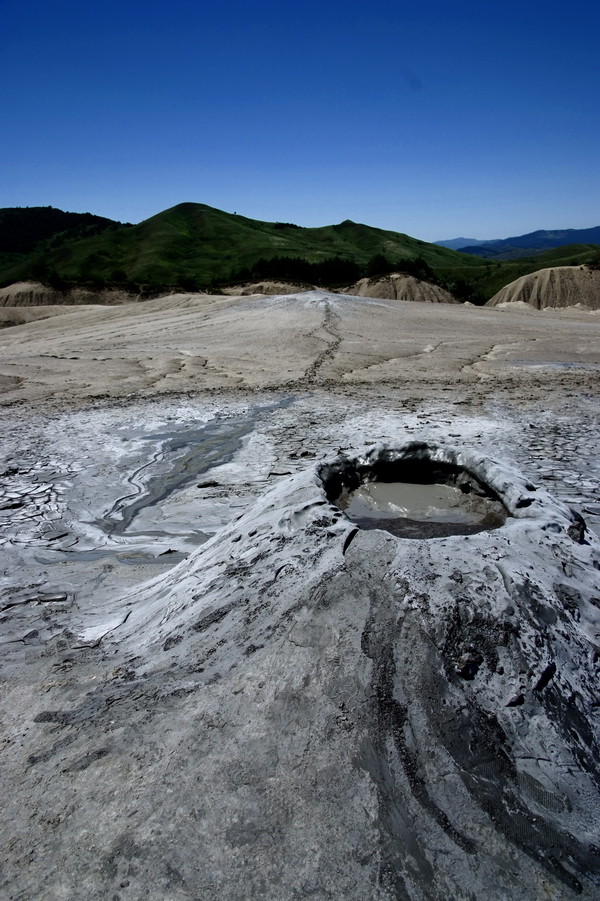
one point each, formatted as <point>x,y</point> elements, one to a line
<point>329,326</point>
<point>324,712</point>
<point>195,344</point>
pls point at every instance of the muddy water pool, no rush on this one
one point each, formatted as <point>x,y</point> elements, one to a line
<point>412,510</point>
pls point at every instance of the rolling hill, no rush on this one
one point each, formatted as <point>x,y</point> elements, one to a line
<point>196,247</point>
<point>22,229</point>
<point>196,244</point>
<point>29,233</point>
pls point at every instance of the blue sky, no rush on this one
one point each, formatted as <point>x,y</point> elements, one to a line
<point>436,119</point>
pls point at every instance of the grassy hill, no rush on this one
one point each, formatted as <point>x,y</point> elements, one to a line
<point>22,229</point>
<point>193,246</point>
<point>194,243</point>
<point>33,231</point>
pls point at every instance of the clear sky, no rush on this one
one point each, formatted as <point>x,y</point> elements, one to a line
<point>436,118</point>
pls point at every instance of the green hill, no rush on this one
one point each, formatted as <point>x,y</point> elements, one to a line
<point>22,229</point>
<point>194,243</point>
<point>193,246</point>
<point>28,233</point>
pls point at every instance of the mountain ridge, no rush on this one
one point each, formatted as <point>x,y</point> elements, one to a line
<point>541,239</point>
<point>195,247</point>
<point>458,243</point>
<point>195,243</point>
<point>528,244</point>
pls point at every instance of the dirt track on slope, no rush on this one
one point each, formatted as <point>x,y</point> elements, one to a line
<point>198,343</point>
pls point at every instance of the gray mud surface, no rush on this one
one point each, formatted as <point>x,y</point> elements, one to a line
<point>216,685</point>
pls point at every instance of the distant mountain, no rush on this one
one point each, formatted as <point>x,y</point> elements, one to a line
<point>492,276</point>
<point>459,243</point>
<point>532,243</point>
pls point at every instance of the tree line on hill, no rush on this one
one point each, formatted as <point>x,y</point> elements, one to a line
<point>192,247</point>
<point>336,272</point>
<point>333,272</point>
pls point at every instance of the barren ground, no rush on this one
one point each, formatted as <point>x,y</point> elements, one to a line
<point>212,687</point>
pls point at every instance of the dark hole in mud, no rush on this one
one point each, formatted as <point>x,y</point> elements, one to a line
<point>413,498</point>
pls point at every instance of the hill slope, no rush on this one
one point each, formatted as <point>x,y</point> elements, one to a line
<point>493,276</point>
<point>560,286</point>
<point>194,243</point>
<point>22,229</point>
<point>196,247</point>
<point>400,287</point>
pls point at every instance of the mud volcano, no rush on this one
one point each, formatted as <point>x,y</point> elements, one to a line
<point>413,492</point>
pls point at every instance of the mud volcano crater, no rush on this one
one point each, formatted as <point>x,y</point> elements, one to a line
<point>413,492</point>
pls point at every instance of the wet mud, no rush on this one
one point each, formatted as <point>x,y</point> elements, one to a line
<point>326,710</point>
<point>413,495</point>
<point>184,456</point>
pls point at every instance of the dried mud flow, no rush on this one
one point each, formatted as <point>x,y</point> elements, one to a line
<point>217,685</point>
<point>559,286</point>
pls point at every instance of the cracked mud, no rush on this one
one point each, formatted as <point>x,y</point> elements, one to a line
<point>215,685</point>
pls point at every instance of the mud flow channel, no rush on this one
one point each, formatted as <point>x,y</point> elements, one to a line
<point>417,498</point>
<point>161,466</point>
<point>183,457</point>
